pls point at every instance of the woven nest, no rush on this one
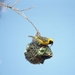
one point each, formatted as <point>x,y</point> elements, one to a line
<point>37,54</point>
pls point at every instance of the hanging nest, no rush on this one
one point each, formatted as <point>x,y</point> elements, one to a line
<point>36,53</point>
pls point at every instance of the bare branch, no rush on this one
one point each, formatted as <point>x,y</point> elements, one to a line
<point>14,3</point>
<point>20,12</point>
<point>26,9</point>
<point>23,15</point>
<point>2,4</point>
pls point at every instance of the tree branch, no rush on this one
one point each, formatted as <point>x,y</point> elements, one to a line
<point>20,12</point>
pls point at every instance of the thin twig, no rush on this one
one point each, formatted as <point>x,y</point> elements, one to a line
<point>23,15</point>
<point>14,3</point>
<point>26,9</point>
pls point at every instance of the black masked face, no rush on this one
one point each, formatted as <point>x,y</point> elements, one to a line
<point>51,42</point>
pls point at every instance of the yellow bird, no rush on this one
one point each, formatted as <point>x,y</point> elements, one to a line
<point>43,40</point>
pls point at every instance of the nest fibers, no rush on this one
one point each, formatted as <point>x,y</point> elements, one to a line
<point>36,53</point>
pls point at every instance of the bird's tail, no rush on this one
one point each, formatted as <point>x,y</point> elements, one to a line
<point>30,36</point>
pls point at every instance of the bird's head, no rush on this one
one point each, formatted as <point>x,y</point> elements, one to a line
<point>51,41</point>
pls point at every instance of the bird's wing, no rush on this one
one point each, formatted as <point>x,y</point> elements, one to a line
<point>44,39</point>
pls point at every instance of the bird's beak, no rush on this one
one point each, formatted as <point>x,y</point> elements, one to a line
<point>51,43</point>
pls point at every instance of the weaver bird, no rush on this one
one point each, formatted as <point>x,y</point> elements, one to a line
<point>42,40</point>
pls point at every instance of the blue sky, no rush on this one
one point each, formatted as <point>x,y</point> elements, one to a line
<point>53,18</point>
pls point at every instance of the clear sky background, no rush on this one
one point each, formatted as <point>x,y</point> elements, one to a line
<point>53,18</point>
